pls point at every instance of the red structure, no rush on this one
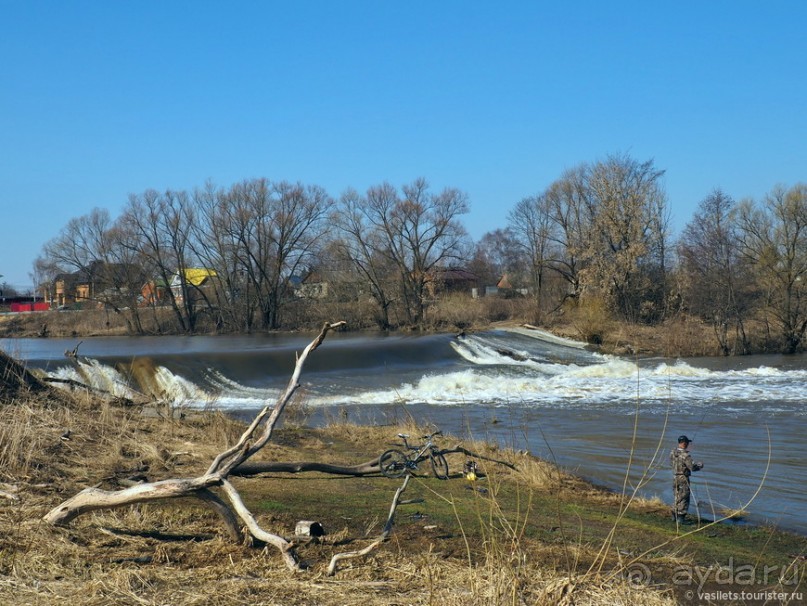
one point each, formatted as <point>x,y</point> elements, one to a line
<point>16,307</point>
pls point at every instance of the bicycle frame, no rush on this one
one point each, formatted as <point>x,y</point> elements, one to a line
<point>420,450</point>
<point>395,463</point>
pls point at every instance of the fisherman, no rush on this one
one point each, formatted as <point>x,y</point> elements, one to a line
<point>682,466</point>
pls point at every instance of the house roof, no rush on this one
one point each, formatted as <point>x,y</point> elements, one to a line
<point>453,274</point>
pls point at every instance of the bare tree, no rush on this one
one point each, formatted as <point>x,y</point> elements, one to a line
<point>159,226</point>
<point>94,250</point>
<point>274,231</point>
<point>219,241</point>
<point>603,229</point>
<point>774,240</point>
<point>532,222</point>
<point>715,275</point>
<point>415,233</point>
<point>80,242</point>
<point>625,259</point>
<point>363,242</point>
<point>567,205</point>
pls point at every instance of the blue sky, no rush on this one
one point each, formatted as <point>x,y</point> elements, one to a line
<point>102,99</point>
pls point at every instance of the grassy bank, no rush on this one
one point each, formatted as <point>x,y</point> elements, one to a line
<point>529,535</point>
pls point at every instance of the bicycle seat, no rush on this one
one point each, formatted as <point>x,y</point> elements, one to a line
<point>403,435</point>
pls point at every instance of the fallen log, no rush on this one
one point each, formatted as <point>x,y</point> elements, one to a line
<point>370,467</point>
<point>255,468</point>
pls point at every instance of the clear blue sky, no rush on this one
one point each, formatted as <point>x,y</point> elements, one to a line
<point>102,99</point>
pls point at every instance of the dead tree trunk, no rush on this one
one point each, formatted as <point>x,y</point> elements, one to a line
<point>92,499</point>
<point>362,469</point>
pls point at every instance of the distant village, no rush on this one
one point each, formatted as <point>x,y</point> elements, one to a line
<point>101,285</point>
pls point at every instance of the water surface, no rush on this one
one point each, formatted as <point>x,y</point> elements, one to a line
<point>523,388</point>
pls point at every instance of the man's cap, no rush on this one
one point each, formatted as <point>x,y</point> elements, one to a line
<point>683,439</point>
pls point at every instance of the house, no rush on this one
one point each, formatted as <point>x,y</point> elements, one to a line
<point>153,292</point>
<point>451,279</point>
<point>64,289</point>
<point>198,281</point>
<point>97,284</point>
<point>504,288</point>
<point>313,286</point>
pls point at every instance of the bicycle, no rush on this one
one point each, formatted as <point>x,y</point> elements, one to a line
<point>395,463</point>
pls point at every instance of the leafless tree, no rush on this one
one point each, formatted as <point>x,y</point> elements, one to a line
<point>274,230</point>
<point>532,222</point>
<point>567,206</point>
<point>93,248</point>
<point>715,275</point>
<point>603,228</point>
<point>363,242</point>
<point>218,242</point>
<point>160,228</point>
<point>774,241</point>
<point>625,259</point>
<point>414,232</point>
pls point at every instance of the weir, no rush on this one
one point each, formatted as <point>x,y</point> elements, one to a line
<point>556,399</point>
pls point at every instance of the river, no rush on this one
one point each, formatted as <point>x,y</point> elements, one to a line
<point>609,419</point>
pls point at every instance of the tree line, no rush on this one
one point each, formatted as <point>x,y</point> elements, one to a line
<point>597,236</point>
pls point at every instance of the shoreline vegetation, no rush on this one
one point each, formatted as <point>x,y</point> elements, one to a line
<point>529,535</point>
<point>682,336</point>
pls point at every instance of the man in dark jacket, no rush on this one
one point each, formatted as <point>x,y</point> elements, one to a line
<point>682,466</point>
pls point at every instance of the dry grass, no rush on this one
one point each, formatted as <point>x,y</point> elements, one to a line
<point>524,535</point>
<point>176,553</point>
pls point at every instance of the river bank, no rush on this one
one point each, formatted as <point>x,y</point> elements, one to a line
<point>531,534</point>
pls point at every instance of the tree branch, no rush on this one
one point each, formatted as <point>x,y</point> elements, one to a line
<point>396,499</point>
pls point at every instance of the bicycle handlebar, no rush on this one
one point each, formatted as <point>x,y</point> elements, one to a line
<point>404,437</point>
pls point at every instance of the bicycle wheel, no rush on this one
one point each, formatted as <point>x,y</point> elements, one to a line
<point>393,463</point>
<point>439,466</point>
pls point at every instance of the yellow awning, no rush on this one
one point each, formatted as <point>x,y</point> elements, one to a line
<point>197,275</point>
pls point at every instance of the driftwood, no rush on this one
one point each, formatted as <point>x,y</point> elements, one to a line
<point>362,469</point>
<point>72,353</point>
<point>255,468</point>
<point>94,498</point>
